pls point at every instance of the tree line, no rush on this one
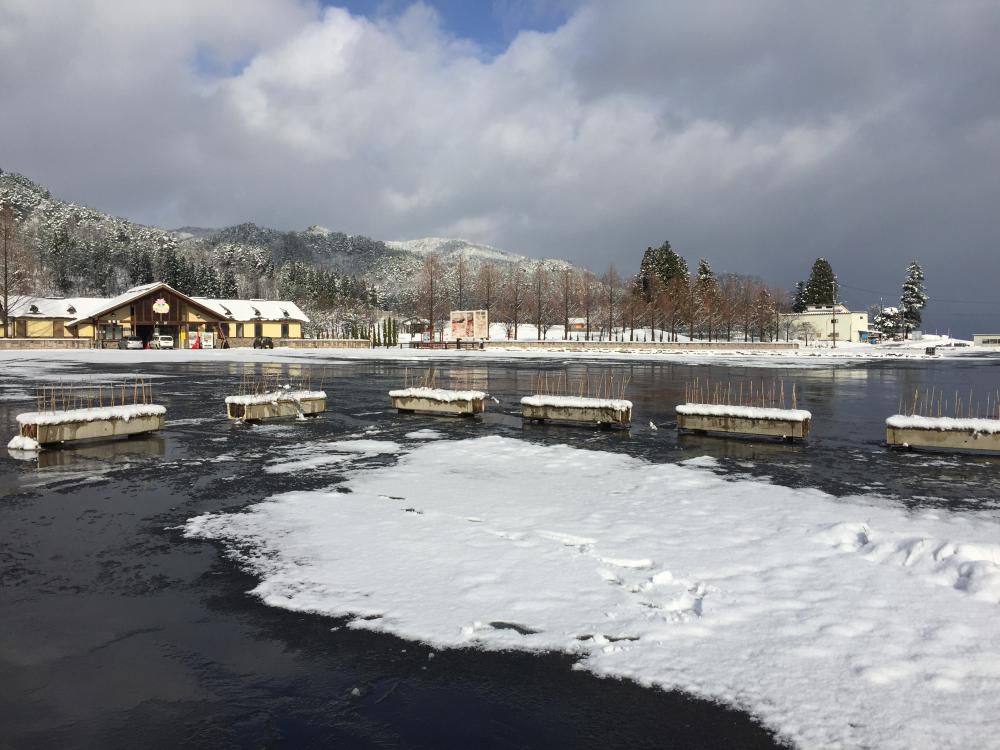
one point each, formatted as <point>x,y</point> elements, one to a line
<point>662,301</point>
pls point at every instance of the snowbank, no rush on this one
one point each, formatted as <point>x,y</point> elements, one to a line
<point>576,402</point>
<point>839,622</point>
<point>94,414</point>
<point>438,394</point>
<point>275,396</point>
<point>903,422</point>
<point>744,412</point>
<point>21,443</point>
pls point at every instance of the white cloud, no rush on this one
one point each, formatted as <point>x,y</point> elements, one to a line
<point>718,126</point>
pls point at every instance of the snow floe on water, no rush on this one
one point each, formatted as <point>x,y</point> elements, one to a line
<point>836,621</point>
<point>328,453</point>
<point>425,434</point>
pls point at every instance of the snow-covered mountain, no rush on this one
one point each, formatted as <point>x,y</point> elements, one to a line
<point>448,247</point>
<point>85,251</point>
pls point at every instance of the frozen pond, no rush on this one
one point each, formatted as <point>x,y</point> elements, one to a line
<point>119,630</point>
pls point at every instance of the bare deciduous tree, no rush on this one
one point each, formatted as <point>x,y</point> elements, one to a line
<point>587,287</point>
<point>430,297</point>
<point>542,298</point>
<point>461,281</point>
<point>514,296</point>
<point>612,282</point>
<point>488,286</point>
<point>15,270</point>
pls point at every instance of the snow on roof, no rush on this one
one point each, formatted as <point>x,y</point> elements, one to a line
<point>254,309</point>
<point>112,303</point>
<point>54,307</point>
<point>80,309</point>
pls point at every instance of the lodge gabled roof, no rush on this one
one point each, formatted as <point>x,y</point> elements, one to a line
<point>138,292</point>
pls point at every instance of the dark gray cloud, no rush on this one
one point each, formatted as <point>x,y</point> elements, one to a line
<point>759,135</point>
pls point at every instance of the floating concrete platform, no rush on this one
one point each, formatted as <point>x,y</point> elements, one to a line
<point>943,433</point>
<point>98,423</point>
<point>605,412</point>
<point>275,405</point>
<point>787,424</point>
<point>438,401</point>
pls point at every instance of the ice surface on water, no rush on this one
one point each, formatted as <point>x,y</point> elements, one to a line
<point>838,622</point>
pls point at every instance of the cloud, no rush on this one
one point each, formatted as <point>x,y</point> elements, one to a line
<point>758,135</point>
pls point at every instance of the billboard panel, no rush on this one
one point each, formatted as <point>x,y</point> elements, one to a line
<point>470,324</point>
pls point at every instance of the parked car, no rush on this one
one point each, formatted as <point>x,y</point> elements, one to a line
<point>163,341</point>
<point>131,342</point>
<point>263,342</point>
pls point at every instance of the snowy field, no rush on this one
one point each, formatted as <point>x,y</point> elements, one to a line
<point>844,622</point>
<point>31,364</point>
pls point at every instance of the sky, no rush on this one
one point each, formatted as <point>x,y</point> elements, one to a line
<point>757,135</point>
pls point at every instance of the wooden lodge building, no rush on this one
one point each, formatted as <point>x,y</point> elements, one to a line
<point>151,309</point>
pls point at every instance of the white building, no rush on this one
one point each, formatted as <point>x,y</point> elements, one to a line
<point>823,322</point>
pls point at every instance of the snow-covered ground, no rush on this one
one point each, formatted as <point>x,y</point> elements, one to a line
<point>33,364</point>
<point>838,621</point>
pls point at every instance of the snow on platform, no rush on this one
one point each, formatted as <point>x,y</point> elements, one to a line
<point>744,420</point>
<point>437,394</point>
<point>943,433</point>
<point>98,422</point>
<point>838,621</point>
<point>438,401</point>
<point>93,414</point>
<point>745,412</point>
<point>904,422</point>
<point>277,404</point>
<point>602,411</point>
<point>275,397</point>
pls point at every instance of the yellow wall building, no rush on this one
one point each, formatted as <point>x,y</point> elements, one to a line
<point>151,309</point>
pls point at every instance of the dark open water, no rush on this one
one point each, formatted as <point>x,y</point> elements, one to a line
<point>115,631</point>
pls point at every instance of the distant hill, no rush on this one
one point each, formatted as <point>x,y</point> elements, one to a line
<point>85,251</point>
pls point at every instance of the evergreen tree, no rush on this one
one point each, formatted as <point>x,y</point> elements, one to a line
<point>820,288</point>
<point>706,296</point>
<point>211,285</point>
<point>913,298</point>
<point>227,284</point>
<point>799,297</point>
<point>669,265</point>
<point>888,321</point>
<point>646,272</point>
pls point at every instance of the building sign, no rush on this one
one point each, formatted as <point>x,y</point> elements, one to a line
<point>470,324</point>
<point>161,307</point>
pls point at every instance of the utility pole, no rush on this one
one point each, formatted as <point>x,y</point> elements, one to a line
<point>833,321</point>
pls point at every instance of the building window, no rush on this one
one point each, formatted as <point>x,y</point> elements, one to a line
<point>258,329</point>
<point>284,330</point>
<point>239,330</point>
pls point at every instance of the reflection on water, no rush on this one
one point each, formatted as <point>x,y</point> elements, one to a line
<point>739,448</point>
<point>128,450</point>
<point>468,379</point>
<point>100,453</point>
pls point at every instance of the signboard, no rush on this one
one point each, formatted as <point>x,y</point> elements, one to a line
<point>470,324</point>
<point>161,307</point>
<point>208,340</point>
